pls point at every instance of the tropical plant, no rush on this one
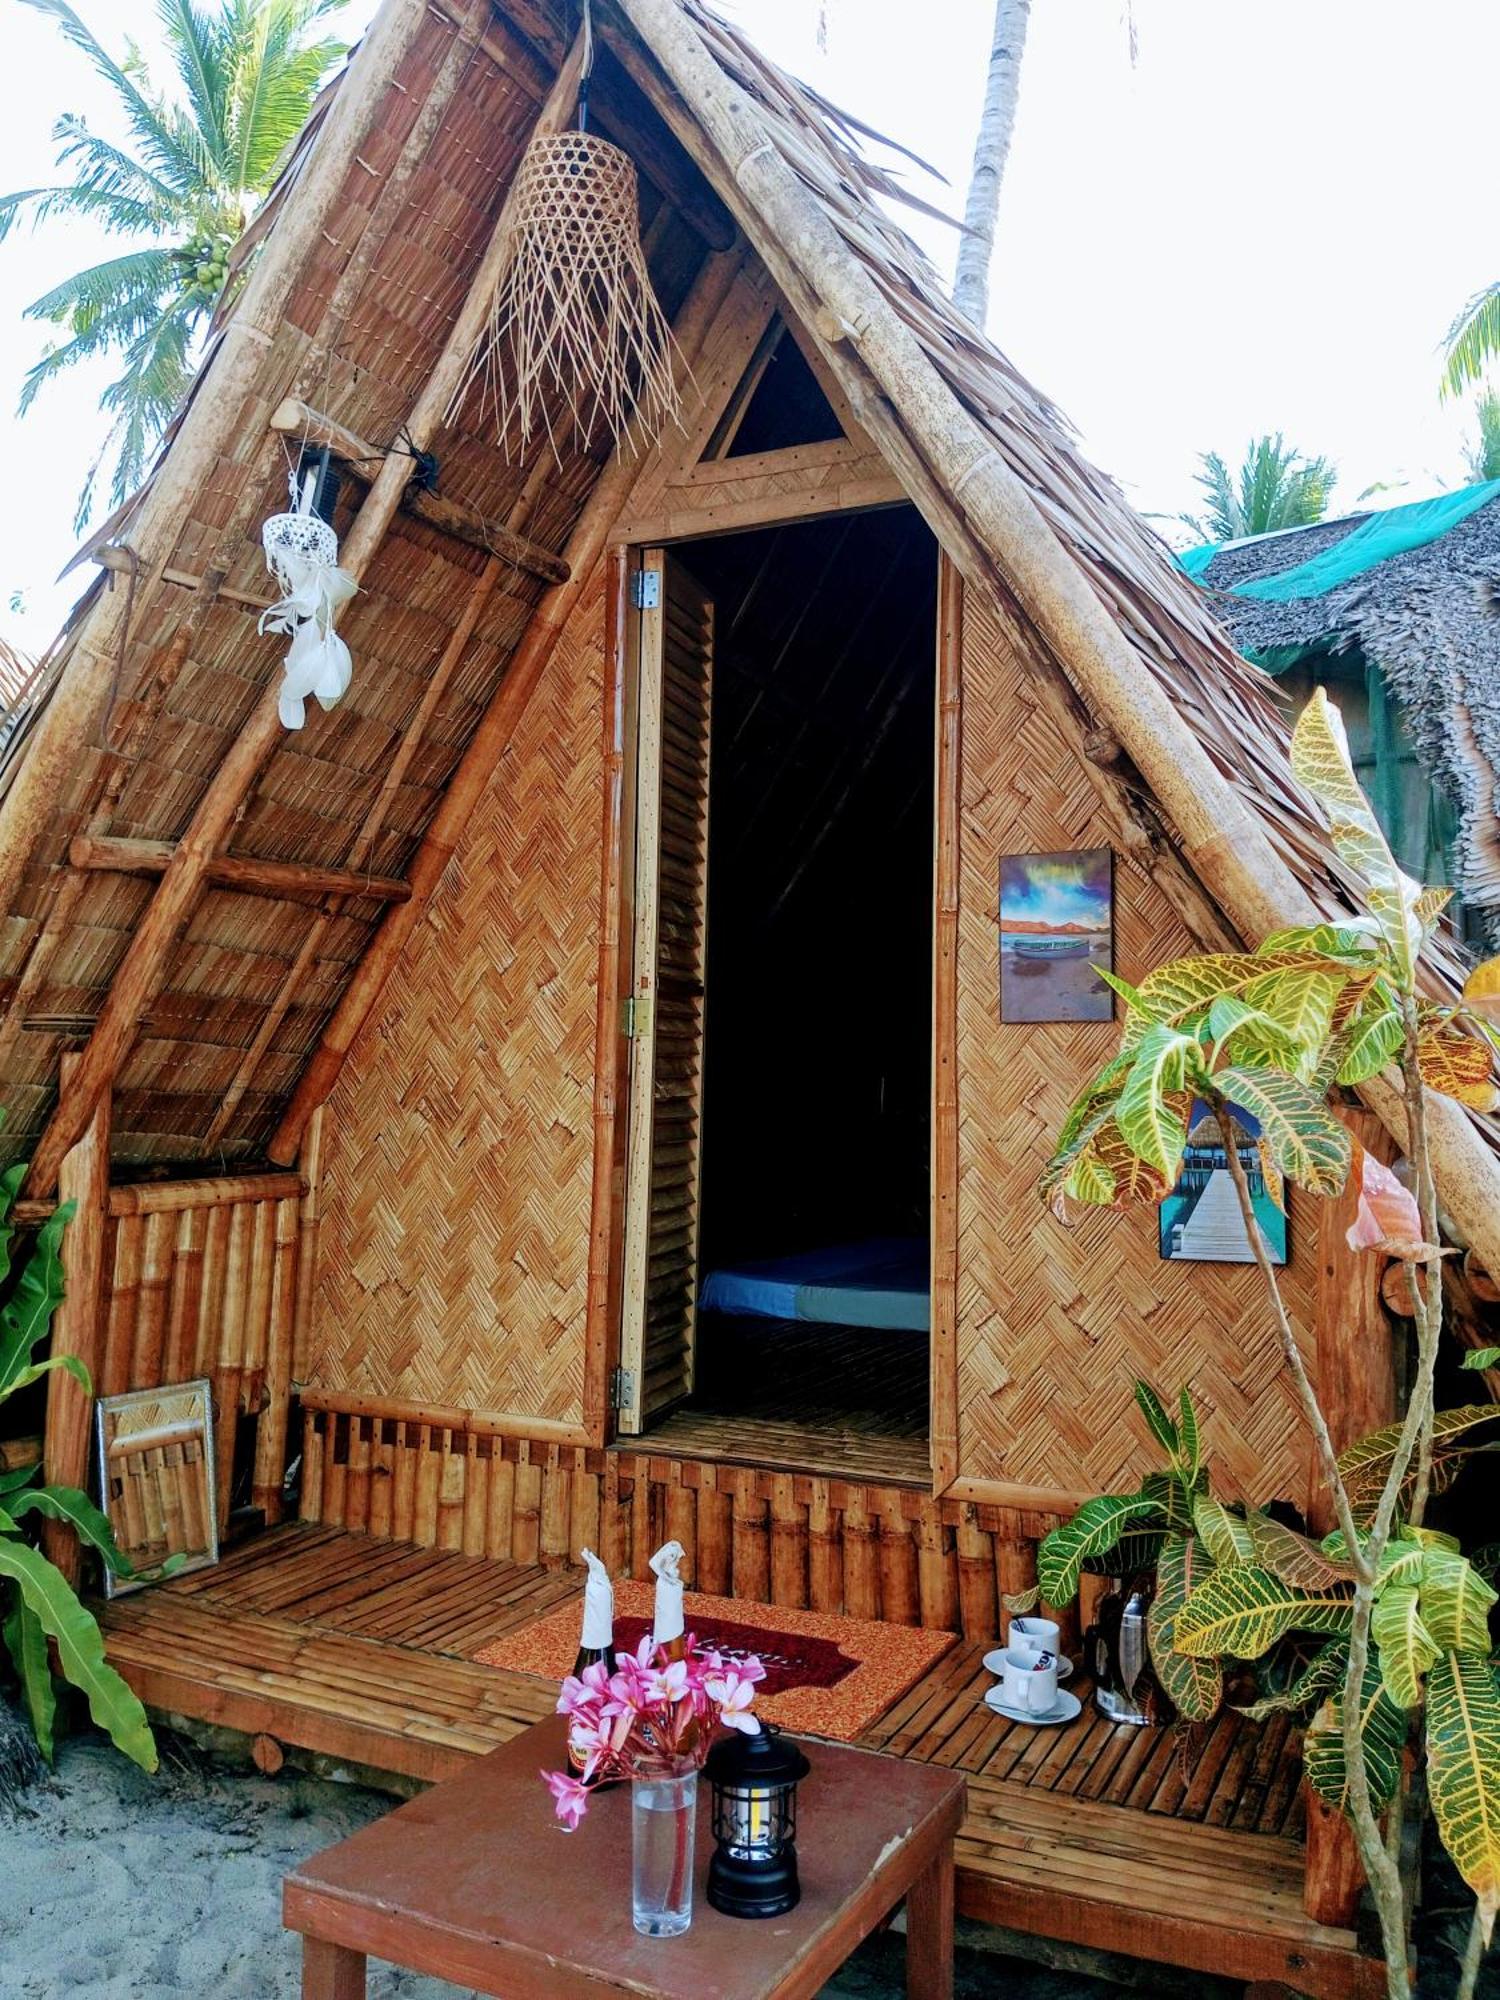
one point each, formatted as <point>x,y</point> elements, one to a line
<point>199,156</point>
<point>37,1604</point>
<point>1472,341</point>
<point>1482,455</point>
<point>1275,488</point>
<point>1384,1618</point>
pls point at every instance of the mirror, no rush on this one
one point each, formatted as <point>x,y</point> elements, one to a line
<point>156,1479</point>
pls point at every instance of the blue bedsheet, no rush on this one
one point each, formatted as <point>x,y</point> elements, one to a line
<point>882,1283</point>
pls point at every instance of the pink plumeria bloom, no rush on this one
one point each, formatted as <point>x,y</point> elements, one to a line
<point>734,1697</point>
<point>1388,1217</point>
<point>569,1796</point>
<point>668,1684</point>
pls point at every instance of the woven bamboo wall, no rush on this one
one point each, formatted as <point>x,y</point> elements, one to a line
<point>197,1283</point>
<point>836,1545</point>
<point>454,1251</point>
<point>1054,1324</point>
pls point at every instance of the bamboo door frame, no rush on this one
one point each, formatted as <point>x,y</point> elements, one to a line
<point>612,1051</point>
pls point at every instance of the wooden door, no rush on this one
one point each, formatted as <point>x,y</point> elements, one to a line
<point>674,650</point>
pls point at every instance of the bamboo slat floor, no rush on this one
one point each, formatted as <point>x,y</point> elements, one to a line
<point>359,1648</point>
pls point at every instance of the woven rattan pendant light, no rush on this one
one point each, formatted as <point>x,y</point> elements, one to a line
<point>576,338</point>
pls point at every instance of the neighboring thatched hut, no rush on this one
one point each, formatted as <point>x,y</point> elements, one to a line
<point>416,1070</point>
<point>1396,611</point>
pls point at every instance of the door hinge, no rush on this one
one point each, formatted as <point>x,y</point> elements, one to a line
<point>637,1016</point>
<point>621,1388</point>
<point>645,590</point>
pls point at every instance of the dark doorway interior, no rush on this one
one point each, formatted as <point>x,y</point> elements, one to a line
<point>818,1028</point>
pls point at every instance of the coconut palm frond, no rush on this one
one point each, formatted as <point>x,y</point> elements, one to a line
<point>1275,488</point>
<point>136,280</point>
<point>1472,341</point>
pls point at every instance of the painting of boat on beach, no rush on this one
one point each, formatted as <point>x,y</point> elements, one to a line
<point>1056,932</point>
<point>1201,1219</point>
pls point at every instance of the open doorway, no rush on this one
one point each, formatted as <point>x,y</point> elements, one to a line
<point>782,1269</point>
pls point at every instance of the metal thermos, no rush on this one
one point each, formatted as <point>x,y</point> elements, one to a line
<point>1118,1655</point>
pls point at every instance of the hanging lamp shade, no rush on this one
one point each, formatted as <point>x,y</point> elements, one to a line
<point>576,327</point>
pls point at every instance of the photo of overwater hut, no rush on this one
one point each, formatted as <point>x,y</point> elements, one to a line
<point>1056,932</point>
<point>1201,1219</point>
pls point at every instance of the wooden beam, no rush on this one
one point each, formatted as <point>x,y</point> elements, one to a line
<point>213,1191</point>
<point>140,972</point>
<point>488,745</point>
<point>84,1179</point>
<point>943,1388</point>
<point>450,517</point>
<point>245,872</point>
<point>204,437</point>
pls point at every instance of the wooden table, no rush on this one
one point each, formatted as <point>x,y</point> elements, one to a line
<point>473,1882</point>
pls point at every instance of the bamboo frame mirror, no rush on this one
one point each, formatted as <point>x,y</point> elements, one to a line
<point>156,1479</point>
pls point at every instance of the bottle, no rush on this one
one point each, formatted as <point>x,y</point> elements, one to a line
<point>598,1639</point>
<point>668,1636</point>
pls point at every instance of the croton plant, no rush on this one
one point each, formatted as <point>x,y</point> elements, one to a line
<point>1381,1628</point>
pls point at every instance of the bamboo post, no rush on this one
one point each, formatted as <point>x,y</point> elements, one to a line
<point>271,1427</point>
<point>204,436</point>
<point>84,1179</point>
<point>915,411</point>
<point>140,972</point>
<point>944,1356</point>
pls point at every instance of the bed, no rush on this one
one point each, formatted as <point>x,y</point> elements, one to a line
<point>881,1283</point>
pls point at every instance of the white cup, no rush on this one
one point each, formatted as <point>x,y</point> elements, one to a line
<point>1028,1680</point>
<point>1037,1635</point>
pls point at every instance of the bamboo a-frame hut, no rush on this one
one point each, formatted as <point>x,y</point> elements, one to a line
<point>374,1055</point>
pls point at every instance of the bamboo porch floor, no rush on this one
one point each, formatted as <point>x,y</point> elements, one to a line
<point>359,1649</point>
<point>846,1401</point>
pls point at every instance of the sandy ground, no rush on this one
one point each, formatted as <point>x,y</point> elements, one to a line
<point>115,1886</point>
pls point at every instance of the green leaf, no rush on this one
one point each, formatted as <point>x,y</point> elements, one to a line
<point>1383,1733</point>
<point>66,1503</point>
<point>1407,1649</point>
<point>1182,992</point>
<point>1245,1609</point>
<point>1161,1425</point>
<point>1370,1042</point>
<point>1223,1534</point>
<point>1173,1496</point>
<point>1094,1530</point>
<point>1306,1141</point>
<point>1463,1773</point>
<point>1323,1671</point>
<point>1366,1463</point>
<point>1340,944</point>
<point>1456,1602</point>
<point>1293,1557</point>
<point>80,1649</point>
<point>1320,758</point>
<point>1251,1030</point>
<point>26,1643</point>
<point>1481,1357</point>
<point>1150,1127</point>
<point>1194,1686</point>
<point>1192,1442</point>
<point>27,1313</point>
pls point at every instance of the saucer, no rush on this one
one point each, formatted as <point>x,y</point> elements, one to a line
<point>994,1663</point>
<point>1067,1709</point>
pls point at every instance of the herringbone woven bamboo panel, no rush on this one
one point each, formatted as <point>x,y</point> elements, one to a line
<point>1054,1325</point>
<point>454,1249</point>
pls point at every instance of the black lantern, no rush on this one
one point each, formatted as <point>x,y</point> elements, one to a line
<point>753,1870</point>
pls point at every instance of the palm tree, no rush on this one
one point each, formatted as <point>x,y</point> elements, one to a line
<point>1472,342</point>
<point>1483,455</point>
<point>199,157</point>
<point>1276,488</point>
<point>997,123</point>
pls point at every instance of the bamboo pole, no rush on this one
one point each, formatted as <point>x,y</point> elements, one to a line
<point>943,1359</point>
<point>487,746</point>
<point>111,854</point>
<point>1222,838</point>
<point>84,1179</point>
<point>206,433</point>
<point>271,1427</point>
<point>139,975</point>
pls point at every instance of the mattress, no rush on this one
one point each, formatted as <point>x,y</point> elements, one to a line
<point>882,1283</point>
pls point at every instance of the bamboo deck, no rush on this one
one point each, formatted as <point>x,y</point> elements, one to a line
<point>359,1648</point>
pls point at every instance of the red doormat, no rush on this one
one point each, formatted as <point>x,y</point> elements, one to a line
<point>825,1676</point>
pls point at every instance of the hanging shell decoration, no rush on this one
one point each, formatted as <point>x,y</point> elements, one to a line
<point>302,553</point>
<point>575,326</point>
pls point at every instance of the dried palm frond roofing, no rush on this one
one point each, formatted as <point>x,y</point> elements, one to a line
<point>172,720</point>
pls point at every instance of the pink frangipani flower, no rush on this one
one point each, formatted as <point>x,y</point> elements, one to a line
<point>734,1697</point>
<point>570,1798</point>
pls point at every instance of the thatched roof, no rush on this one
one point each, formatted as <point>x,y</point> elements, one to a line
<point>161,718</point>
<point>1429,619</point>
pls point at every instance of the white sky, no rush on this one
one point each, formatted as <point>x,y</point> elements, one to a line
<point>1265,223</point>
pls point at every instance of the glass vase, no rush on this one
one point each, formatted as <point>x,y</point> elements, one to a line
<point>663,1823</point>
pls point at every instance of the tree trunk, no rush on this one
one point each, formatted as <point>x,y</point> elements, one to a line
<point>997,122</point>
